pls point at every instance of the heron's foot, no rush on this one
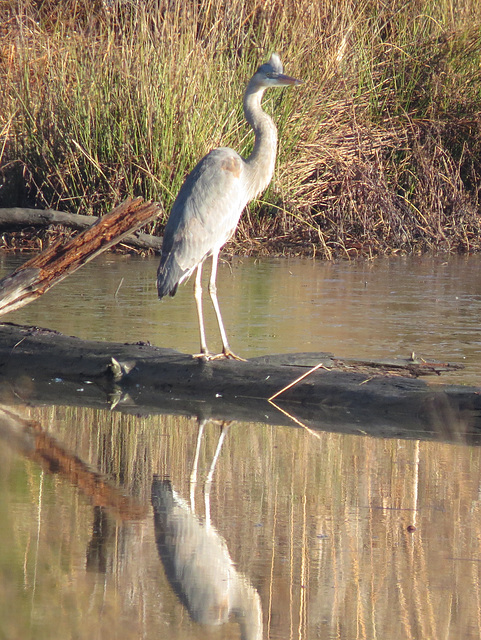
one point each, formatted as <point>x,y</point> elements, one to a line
<point>202,356</point>
<point>208,356</point>
<point>227,353</point>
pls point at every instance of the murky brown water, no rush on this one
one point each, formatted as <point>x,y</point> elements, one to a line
<point>384,308</point>
<point>302,534</point>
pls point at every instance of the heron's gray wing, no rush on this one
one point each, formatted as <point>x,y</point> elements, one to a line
<point>203,217</point>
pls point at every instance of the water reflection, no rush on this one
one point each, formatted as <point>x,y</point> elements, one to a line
<point>331,535</point>
<point>29,438</point>
<point>198,565</point>
<point>322,526</point>
<point>196,558</point>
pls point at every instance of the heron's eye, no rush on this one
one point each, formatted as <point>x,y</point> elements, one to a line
<point>272,75</point>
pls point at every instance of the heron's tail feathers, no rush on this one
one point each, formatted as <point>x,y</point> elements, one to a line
<point>169,276</point>
<point>162,494</point>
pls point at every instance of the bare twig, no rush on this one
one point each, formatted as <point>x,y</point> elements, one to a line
<point>294,382</point>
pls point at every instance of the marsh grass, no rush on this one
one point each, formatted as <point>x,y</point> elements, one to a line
<point>379,150</point>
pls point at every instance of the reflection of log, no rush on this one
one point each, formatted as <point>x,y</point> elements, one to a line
<point>15,219</point>
<point>28,437</point>
<point>104,533</point>
<point>40,273</point>
<point>38,365</point>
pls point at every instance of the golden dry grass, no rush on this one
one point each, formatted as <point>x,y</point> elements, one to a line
<point>379,150</point>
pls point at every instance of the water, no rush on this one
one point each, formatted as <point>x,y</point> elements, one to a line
<point>321,535</point>
<point>384,308</point>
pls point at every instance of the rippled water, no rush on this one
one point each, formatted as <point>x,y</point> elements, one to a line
<point>109,532</point>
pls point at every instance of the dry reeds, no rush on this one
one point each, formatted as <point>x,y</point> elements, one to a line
<point>379,150</point>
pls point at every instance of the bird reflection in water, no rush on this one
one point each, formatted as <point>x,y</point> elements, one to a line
<point>196,558</point>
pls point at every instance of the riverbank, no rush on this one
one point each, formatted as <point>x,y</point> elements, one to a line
<point>379,149</point>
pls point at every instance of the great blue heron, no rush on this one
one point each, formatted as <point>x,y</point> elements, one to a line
<point>199,568</point>
<point>210,202</point>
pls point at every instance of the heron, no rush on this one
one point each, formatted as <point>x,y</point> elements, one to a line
<point>199,568</point>
<point>209,204</point>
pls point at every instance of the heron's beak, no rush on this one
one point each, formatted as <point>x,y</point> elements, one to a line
<point>287,80</point>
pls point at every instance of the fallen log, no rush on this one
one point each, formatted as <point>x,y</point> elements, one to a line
<point>43,366</point>
<point>39,274</point>
<point>16,218</point>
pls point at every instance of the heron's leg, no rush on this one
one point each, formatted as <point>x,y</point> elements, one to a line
<point>200,313</point>
<point>223,432</point>
<point>195,465</point>
<point>208,482</point>
<point>226,350</point>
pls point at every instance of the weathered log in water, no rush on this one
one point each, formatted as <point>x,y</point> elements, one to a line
<point>43,366</point>
<point>36,276</point>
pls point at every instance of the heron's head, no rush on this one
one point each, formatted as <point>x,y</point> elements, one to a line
<point>271,74</point>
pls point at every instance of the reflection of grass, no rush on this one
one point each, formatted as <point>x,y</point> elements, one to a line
<point>379,150</point>
<point>317,524</point>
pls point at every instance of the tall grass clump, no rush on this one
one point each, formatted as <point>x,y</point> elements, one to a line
<point>379,150</point>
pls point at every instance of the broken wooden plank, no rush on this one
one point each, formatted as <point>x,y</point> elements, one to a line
<point>36,276</point>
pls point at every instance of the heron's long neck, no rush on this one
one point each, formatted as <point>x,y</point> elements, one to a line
<point>261,162</point>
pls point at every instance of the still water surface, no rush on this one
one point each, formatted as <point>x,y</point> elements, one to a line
<point>301,534</point>
<point>384,308</point>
